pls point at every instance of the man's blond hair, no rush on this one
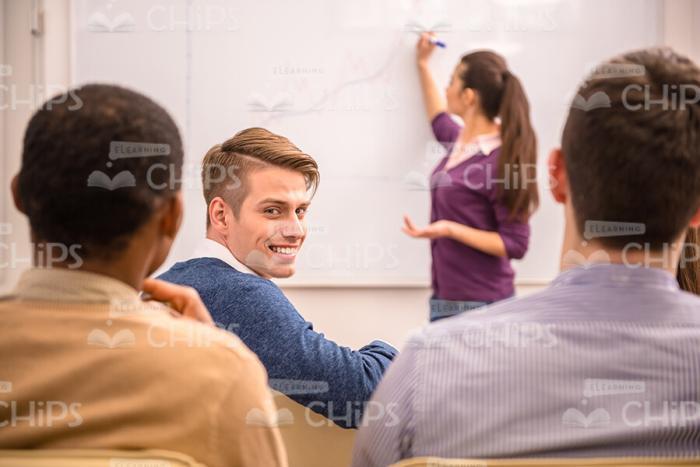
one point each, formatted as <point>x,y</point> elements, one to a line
<point>225,166</point>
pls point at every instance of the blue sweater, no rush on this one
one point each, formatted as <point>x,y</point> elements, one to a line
<point>331,380</point>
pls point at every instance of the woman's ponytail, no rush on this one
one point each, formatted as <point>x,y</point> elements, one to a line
<point>502,95</point>
<point>518,160</point>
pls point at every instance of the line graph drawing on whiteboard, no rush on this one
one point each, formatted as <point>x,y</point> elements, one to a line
<point>282,104</point>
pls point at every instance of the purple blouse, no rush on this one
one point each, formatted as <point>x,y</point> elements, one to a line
<point>466,193</point>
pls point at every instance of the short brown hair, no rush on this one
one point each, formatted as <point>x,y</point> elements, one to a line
<point>226,166</point>
<point>632,149</point>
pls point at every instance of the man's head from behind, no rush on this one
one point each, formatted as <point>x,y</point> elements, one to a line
<point>96,178</point>
<point>629,167</point>
<point>258,186</point>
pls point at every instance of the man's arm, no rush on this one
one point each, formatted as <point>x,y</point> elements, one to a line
<point>331,380</point>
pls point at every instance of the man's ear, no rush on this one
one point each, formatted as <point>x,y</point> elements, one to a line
<point>695,220</point>
<point>14,187</point>
<point>217,211</point>
<point>558,181</point>
<point>172,216</point>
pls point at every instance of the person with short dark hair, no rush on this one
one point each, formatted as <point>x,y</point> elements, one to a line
<point>604,361</point>
<point>85,361</point>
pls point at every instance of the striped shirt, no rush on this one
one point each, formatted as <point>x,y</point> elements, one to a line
<point>603,362</point>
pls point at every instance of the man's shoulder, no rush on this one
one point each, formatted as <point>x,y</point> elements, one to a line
<point>145,335</point>
<point>526,308</point>
<point>555,305</point>
<point>213,273</point>
<point>157,329</point>
<point>222,287</point>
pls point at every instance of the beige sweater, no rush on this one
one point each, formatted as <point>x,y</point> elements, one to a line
<point>84,363</point>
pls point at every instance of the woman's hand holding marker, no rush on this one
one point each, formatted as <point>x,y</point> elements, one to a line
<point>424,48</point>
<point>426,45</point>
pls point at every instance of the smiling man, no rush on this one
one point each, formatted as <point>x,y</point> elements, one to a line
<point>258,187</point>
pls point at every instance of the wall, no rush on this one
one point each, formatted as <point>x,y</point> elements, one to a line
<point>354,316</point>
<point>17,54</point>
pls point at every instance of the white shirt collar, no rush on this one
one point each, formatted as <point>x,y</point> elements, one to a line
<point>212,249</point>
<point>73,285</point>
<point>482,144</point>
<point>487,143</point>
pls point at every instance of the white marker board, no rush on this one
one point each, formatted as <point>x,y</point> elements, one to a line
<point>338,78</point>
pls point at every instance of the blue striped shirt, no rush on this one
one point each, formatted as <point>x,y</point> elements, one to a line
<point>603,362</point>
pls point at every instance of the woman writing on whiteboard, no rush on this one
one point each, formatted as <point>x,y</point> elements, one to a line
<point>484,191</point>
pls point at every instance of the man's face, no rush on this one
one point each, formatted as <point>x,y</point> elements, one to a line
<point>270,228</point>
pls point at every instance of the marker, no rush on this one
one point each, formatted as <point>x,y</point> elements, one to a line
<point>432,40</point>
<point>437,42</point>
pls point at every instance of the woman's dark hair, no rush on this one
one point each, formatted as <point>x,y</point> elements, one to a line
<point>501,95</point>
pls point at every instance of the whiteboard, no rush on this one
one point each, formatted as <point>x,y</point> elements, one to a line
<point>338,78</point>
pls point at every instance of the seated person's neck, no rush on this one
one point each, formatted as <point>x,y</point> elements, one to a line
<point>577,251</point>
<point>128,266</point>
